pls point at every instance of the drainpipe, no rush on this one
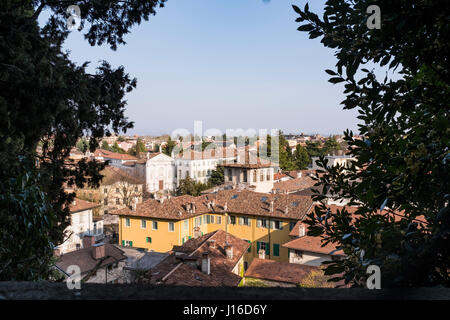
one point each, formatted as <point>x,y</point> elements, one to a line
<point>269,238</point>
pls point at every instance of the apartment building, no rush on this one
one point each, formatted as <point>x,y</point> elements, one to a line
<point>263,220</point>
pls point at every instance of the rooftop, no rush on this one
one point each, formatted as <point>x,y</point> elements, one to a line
<point>278,271</point>
<point>230,201</point>
<point>181,266</point>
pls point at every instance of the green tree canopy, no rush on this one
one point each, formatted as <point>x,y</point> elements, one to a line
<point>47,100</point>
<point>402,165</point>
<point>301,158</point>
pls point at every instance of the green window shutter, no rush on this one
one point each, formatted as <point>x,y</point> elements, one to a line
<point>249,248</point>
<point>267,249</point>
<point>190,237</point>
<point>276,249</point>
<point>149,239</point>
<point>131,243</point>
<point>123,243</point>
<point>182,241</point>
<point>258,245</point>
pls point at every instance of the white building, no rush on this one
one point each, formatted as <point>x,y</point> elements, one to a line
<point>82,224</point>
<point>199,165</point>
<point>159,172</point>
<point>308,250</point>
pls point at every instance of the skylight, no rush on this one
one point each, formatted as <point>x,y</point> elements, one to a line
<point>264,199</point>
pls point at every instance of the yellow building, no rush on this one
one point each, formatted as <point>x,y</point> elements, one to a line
<point>264,220</point>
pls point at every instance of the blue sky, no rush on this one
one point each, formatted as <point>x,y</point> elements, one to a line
<point>229,63</point>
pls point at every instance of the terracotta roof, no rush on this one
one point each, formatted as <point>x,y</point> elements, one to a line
<point>313,244</point>
<point>293,185</point>
<point>85,260</point>
<point>184,268</point>
<point>81,205</point>
<point>208,153</point>
<point>113,155</point>
<point>112,175</point>
<point>279,175</point>
<point>278,271</point>
<point>241,202</point>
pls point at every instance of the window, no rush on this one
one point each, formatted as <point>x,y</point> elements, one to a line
<point>105,190</point>
<point>250,247</point>
<point>232,219</point>
<point>263,246</point>
<point>254,176</point>
<point>117,201</point>
<point>105,202</point>
<point>117,189</point>
<point>171,227</point>
<point>219,220</point>
<point>128,243</point>
<point>276,250</point>
<point>212,219</point>
<point>245,176</point>
<point>261,177</point>
<point>244,221</point>
<point>155,225</point>
<point>127,222</point>
<point>204,220</point>
<point>262,223</point>
<point>291,225</point>
<point>186,225</point>
<point>143,224</point>
<point>208,219</point>
<point>278,225</point>
<point>136,189</point>
<point>148,240</point>
<point>198,221</point>
<point>268,176</point>
<point>245,265</point>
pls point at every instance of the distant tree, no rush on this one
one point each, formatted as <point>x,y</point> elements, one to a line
<point>121,139</point>
<point>82,144</point>
<point>331,146</point>
<point>403,162</point>
<point>301,158</point>
<point>191,187</point>
<point>205,144</point>
<point>314,149</point>
<point>217,177</point>
<point>285,154</point>
<point>115,148</point>
<point>105,146</point>
<point>168,147</point>
<point>139,147</point>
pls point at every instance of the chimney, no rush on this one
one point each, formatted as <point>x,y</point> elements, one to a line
<point>74,202</point>
<point>271,206</point>
<point>262,254</point>
<point>133,206</point>
<point>287,210</point>
<point>301,230</point>
<point>98,251</point>
<point>212,243</point>
<point>206,263</point>
<point>88,241</point>
<point>225,207</point>
<point>213,153</point>
<point>193,207</point>
<point>229,250</point>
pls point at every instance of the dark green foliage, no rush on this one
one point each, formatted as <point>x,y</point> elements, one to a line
<point>47,100</point>
<point>301,158</point>
<point>217,177</point>
<point>28,225</point>
<point>404,156</point>
<point>139,147</point>
<point>191,187</point>
<point>168,147</point>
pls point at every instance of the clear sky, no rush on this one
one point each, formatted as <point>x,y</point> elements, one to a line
<point>229,63</point>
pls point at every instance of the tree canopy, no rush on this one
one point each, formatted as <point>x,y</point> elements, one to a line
<point>47,100</point>
<point>402,165</point>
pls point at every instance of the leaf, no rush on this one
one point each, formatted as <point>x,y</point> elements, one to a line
<point>305,27</point>
<point>336,80</point>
